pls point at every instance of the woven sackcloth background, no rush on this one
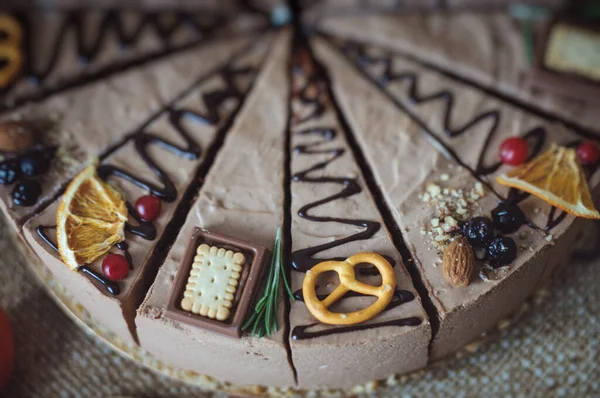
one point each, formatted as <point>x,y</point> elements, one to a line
<point>552,351</point>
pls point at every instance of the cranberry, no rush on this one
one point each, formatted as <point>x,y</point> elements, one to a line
<point>148,207</point>
<point>115,267</point>
<point>7,350</point>
<point>514,151</point>
<point>588,153</point>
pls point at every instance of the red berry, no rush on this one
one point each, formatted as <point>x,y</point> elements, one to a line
<point>514,151</point>
<point>115,267</point>
<point>7,350</point>
<point>588,153</point>
<point>148,207</point>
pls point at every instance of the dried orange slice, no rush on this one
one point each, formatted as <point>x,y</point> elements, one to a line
<point>90,219</point>
<point>557,178</point>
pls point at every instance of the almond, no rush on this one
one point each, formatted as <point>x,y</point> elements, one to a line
<point>458,263</point>
<point>15,137</point>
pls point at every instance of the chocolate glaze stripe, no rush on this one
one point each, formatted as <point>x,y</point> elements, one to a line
<point>437,141</point>
<point>537,135</point>
<point>144,139</point>
<point>300,333</point>
<point>393,229</point>
<point>129,135</point>
<point>287,204</point>
<point>208,31</point>
<point>587,132</point>
<point>302,260</point>
<point>112,287</point>
<point>212,101</point>
<point>111,24</point>
<point>400,297</point>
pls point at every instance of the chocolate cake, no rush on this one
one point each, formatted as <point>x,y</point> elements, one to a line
<point>304,207</point>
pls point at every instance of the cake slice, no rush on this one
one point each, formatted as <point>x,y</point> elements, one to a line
<point>89,121</point>
<point>334,216</point>
<point>242,197</point>
<point>453,185</point>
<point>159,161</point>
<point>65,48</point>
<point>496,60</point>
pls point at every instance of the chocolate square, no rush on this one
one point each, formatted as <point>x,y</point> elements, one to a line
<point>562,77</point>
<point>256,256</point>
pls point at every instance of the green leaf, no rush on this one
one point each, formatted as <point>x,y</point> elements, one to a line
<point>263,319</point>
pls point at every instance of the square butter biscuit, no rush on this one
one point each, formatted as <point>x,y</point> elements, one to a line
<point>212,283</point>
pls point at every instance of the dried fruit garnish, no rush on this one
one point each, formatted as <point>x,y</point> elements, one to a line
<point>557,178</point>
<point>90,219</point>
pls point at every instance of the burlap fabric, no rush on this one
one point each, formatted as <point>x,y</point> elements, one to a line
<point>552,351</point>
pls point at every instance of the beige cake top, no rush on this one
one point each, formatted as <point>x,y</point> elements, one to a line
<point>307,212</point>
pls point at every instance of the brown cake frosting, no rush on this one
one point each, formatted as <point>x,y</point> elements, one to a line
<point>181,172</point>
<point>297,154</point>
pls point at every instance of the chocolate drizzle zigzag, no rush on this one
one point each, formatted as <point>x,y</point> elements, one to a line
<point>313,97</point>
<point>303,260</point>
<point>111,25</point>
<point>359,56</point>
<point>143,139</point>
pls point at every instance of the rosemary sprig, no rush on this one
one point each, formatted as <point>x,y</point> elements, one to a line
<point>263,319</point>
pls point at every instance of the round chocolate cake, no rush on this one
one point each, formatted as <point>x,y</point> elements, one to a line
<point>306,196</point>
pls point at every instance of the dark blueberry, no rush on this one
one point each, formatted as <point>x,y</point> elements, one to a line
<point>34,163</point>
<point>502,251</point>
<point>478,231</point>
<point>9,171</point>
<point>26,192</point>
<point>508,218</point>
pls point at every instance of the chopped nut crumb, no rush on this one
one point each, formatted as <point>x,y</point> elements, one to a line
<point>442,238</point>
<point>434,190</point>
<point>451,205</point>
<point>480,254</point>
<point>451,221</point>
<point>479,189</point>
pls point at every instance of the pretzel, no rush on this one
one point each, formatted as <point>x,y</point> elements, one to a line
<point>348,282</point>
<point>10,49</point>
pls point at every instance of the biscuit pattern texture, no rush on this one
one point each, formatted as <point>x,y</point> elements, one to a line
<point>212,282</point>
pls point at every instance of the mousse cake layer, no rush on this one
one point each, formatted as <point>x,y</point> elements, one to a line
<point>483,47</point>
<point>334,216</point>
<point>354,151</point>
<point>460,171</point>
<point>242,197</point>
<point>86,122</point>
<point>67,48</point>
<point>162,158</point>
